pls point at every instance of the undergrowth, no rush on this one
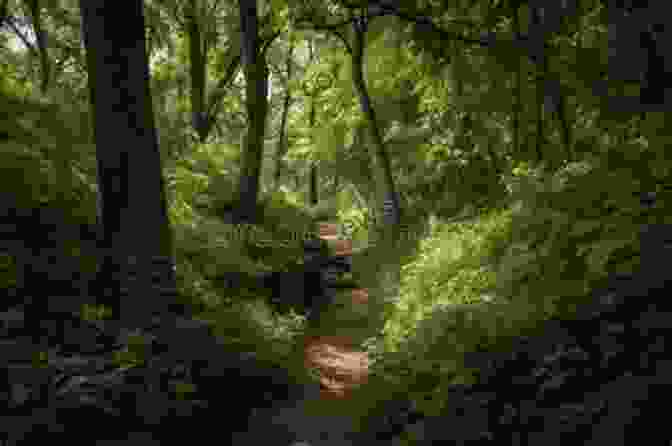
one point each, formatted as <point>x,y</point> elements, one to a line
<point>477,285</point>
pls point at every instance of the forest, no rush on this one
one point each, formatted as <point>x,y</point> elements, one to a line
<point>338,222</point>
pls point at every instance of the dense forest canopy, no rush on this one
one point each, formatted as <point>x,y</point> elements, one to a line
<point>487,158</point>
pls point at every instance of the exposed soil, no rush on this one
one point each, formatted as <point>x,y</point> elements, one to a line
<point>342,366</point>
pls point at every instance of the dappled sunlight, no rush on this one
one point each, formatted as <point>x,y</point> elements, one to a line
<point>340,366</point>
<point>337,359</point>
<point>360,296</point>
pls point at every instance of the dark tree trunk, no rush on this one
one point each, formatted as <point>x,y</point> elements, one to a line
<point>517,104</point>
<point>313,183</point>
<point>256,90</point>
<point>314,198</point>
<point>283,143</point>
<point>388,206</point>
<point>137,275</point>
<point>540,81</point>
<point>197,63</point>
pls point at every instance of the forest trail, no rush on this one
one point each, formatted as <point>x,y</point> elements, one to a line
<point>331,350</point>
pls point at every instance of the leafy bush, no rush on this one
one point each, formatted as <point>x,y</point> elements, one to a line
<point>355,222</point>
<point>214,255</point>
<point>476,286</point>
<point>251,326</point>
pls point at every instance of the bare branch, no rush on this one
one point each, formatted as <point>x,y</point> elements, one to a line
<point>21,36</point>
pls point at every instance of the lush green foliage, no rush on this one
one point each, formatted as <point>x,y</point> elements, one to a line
<point>476,286</point>
<point>205,247</point>
<point>519,180</point>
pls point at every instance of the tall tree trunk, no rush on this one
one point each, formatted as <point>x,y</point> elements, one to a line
<point>283,143</point>
<point>517,104</point>
<point>217,94</point>
<point>388,221</point>
<point>204,107</point>
<point>184,137</point>
<point>388,208</point>
<point>256,90</point>
<point>313,183</point>
<point>197,72</point>
<point>138,267</point>
<point>463,119</point>
<point>541,67</point>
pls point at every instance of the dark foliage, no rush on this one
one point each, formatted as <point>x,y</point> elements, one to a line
<point>53,256</point>
<point>303,289</point>
<point>81,392</point>
<point>599,378</point>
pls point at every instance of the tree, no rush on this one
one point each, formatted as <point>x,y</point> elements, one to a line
<point>313,183</point>
<point>137,272</point>
<point>283,142</point>
<point>388,205</point>
<point>200,23</point>
<point>256,92</point>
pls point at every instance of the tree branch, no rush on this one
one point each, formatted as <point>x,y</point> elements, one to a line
<point>21,36</point>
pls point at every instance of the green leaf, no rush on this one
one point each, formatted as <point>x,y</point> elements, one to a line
<point>583,227</point>
<point>601,252</point>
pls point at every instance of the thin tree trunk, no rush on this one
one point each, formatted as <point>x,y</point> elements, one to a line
<point>314,194</point>
<point>313,183</point>
<point>387,234</point>
<point>283,145</point>
<point>184,138</point>
<point>517,99</point>
<point>218,93</point>
<point>539,83</point>
<point>388,202</point>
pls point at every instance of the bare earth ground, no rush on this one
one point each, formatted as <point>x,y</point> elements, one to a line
<point>332,351</point>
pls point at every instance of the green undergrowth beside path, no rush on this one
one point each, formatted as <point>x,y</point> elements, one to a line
<point>478,285</point>
<point>343,318</point>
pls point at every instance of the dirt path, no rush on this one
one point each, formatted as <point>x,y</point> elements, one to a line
<point>331,350</point>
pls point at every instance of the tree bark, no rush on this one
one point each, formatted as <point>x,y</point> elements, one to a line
<point>313,184</point>
<point>540,82</point>
<point>388,221</point>
<point>314,194</point>
<point>388,208</point>
<point>517,105</point>
<point>137,271</point>
<point>283,143</point>
<point>256,90</point>
<point>197,72</point>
